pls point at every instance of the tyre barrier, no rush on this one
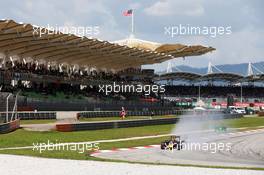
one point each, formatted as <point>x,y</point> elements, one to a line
<point>261,114</point>
<point>113,124</point>
<point>64,127</point>
<point>9,127</point>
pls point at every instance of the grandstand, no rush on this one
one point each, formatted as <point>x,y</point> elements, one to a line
<point>62,72</point>
<point>56,71</point>
<point>73,104</point>
<point>214,87</point>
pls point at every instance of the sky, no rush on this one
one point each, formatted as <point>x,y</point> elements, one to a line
<point>151,17</point>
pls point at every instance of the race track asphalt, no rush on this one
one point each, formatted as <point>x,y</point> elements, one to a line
<point>247,150</point>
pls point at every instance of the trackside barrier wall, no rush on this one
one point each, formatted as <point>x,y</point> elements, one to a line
<point>93,114</point>
<point>261,114</point>
<point>113,124</point>
<point>8,127</point>
<point>64,127</point>
<point>31,115</point>
<point>129,123</point>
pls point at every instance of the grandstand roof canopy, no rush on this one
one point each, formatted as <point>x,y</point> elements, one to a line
<point>25,41</point>
<point>251,78</point>
<point>180,76</point>
<point>231,77</point>
<point>223,76</point>
<point>176,50</point>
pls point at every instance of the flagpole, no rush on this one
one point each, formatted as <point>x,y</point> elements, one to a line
<point>132,23</point>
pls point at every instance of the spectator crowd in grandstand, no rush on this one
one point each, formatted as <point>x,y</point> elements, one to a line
<point>52,79</point>
<point>214,91</point>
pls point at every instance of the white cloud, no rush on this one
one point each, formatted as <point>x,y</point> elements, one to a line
<point>172,7</point>
<point>240,47</point>
<point>135,5</point>
<point>243,45</point>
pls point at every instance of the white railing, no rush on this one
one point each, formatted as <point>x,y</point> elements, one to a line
<point>7,105</point>
<point>14,110</point>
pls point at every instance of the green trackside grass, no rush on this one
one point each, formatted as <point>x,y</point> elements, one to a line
<point>46,121</point>
<point>27,138</point>
<point>84,156</point>
<point>127,118</point>
<point>243,122</point>
<point>22,137</point>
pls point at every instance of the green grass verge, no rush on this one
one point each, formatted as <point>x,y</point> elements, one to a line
<point>85,156</point>
<point>127,118</point>
<point>46,121</point>
<point>27,138</point>
<point>243,122</point>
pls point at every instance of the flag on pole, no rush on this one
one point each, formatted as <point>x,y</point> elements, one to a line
<point>128,12</point>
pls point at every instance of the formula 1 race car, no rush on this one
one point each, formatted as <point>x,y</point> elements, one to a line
<point>220,129</point>
<point>175,142</point>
